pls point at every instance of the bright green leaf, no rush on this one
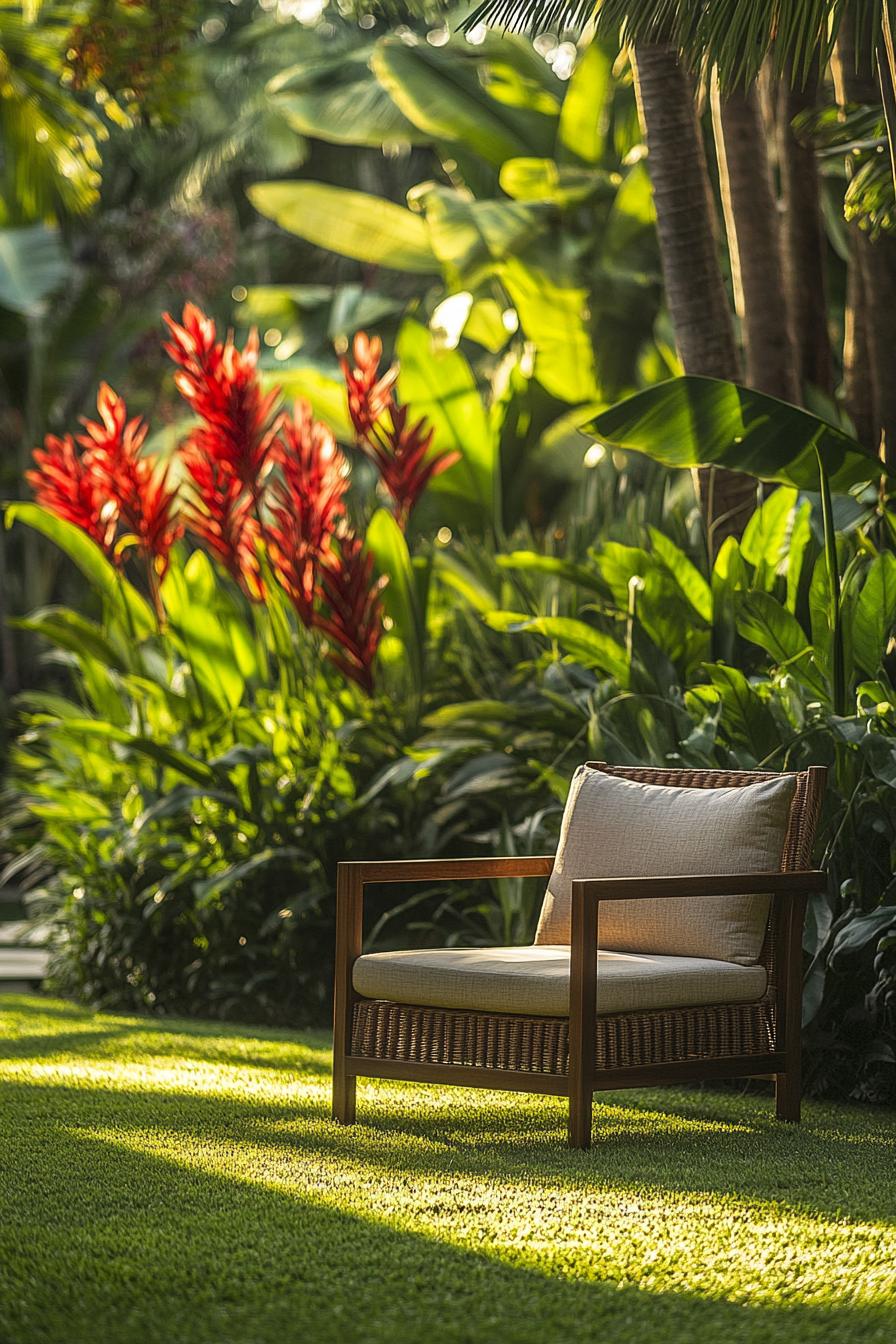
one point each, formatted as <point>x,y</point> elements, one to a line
<point>366,228</point>
<point>694,421</point>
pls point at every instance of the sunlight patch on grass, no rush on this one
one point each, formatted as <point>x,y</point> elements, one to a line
<point>172,1179</point>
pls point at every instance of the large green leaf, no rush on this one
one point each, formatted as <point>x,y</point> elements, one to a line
<point>131,608</point>
<point>694,421</point>
<point>202,630</point>
<point>442,92</point>
<point>469,235</point>
<point>545,180</point>
<point>70,630</point>
<point>747,718</point>
<point>441,386</point>
<point>767,623</point>
<point>366,228</point>
<point>629,241</point>
<point>590,647</point>
<point>32,266</point>
<point>685,572</point>
<point>874,615</point>
<point>767,535</point>
<point>338,99</point>
<point>531,562</point>
<point>552,316</point>
<point>386,543</point>
<point>584,116</point>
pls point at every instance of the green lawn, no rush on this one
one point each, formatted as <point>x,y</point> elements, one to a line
<point>180,1182</point>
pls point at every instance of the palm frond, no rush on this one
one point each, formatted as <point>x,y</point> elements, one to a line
<point>736,36</point>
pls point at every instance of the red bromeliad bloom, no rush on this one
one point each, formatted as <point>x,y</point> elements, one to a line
<point>136,490</point>
<point>221,385</point>
<point>399,450</point>
<point>64,482</point>
<point>221,514</point>
<point>353,618</point>
<point>307,505</point>
<point>109,486</point>
<point>368,395</point>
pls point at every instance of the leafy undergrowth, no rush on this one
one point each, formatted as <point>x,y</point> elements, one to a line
<point>166,1180</point>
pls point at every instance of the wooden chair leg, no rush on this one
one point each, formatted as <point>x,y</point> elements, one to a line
<point>349,897</point>
<point>580,1118</point>
<point>788,1092</point>
<point>344,1090</point>
<point>582,1015</point>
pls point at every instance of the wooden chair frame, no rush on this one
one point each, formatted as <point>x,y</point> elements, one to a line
<point>582,1076</point>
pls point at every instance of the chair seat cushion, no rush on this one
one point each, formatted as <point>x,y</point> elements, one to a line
<point>534,981</point>
<point>621,828</point>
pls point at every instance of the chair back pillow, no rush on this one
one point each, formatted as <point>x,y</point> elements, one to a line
<point>615,827</point>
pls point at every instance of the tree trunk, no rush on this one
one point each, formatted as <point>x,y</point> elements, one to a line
<point>754,245</point>
<point>858,394</point>
<point>803,238</point>
<point>695,290</point>
<point>876,262</point>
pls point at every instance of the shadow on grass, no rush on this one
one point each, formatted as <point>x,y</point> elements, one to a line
<point>104,1243</point>
<point>260,1047</point>
<point>655,1143</point>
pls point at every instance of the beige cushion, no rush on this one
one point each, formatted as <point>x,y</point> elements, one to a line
<point>535,980</point>
<point>616,828</point>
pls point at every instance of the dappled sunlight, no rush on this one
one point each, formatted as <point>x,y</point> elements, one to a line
<point>184,1162</point>
<point>714,1245</point>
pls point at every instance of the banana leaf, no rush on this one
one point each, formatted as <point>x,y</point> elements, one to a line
<point>365,228</point>
<point>694,421</point>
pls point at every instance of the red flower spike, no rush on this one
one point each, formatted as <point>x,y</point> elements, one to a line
<point>400,452</point>
<point>221,385</point>
<point>368,396</point>
<point>65,483</point>
<point>220,513</point>
<point>402,456</point>
<point>353,619</point>
<point>307,505</point>
<point>131,485</point>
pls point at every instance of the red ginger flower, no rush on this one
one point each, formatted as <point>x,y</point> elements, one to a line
<point>136,491</point>
<point>219,512</point>
<point>221,385</point>
<point>64,482</point>
<point>307,505</point>
<point>400,452</point>
<point>109,484</point>
<point>368,396</point>
<point>354,615</point>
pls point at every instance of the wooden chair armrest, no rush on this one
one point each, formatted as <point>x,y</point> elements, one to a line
<point>443,870</point>
<point>592,889</point>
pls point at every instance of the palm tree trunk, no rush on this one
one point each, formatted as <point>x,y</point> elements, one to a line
<point>754,244</point>
<point>858,393</point>
<point>855,82</point>
<point>695,289</point>
<point>803,238</point>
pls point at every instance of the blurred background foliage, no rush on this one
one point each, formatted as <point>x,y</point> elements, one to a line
<point>483,203</point>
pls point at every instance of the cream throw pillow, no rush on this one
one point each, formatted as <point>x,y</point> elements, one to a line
<point>618,828</point>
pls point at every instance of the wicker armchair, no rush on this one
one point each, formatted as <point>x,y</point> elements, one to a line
<point>584,1051</point>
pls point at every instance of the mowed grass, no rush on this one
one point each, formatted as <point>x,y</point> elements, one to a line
<point>181,1182</point>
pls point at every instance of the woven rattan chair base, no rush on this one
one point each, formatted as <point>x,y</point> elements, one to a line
<point>408,1033</point>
